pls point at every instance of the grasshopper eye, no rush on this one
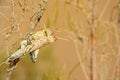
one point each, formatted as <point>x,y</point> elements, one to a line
<point>45,32</point>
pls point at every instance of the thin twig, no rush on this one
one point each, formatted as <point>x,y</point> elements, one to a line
<point>104,9</point>
<point>119,14</point>
<point>93,40</point>
<point>117,64</point>
<point>4,16</point>
<point>37,16</point>
<point>2,63</point>
<point>72,70</point>
<point>80,60</point>
<point>12,27</point>
<point>13,15</point>
<point>81,7</point>
<point>8,76</point>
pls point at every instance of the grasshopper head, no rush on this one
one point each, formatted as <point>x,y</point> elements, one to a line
<point>50,36</point>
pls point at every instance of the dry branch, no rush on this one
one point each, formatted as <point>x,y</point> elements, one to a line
<point>80,60</point>
<point>37,16</point>
<point>93,55</point>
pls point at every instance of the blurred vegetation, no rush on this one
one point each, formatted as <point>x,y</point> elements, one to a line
<point>73,21</point>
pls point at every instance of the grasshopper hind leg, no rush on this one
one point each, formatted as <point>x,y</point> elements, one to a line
<point>33,55</point>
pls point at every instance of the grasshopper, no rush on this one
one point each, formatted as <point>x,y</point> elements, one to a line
<point>38,40</point>
<point>32,45</point>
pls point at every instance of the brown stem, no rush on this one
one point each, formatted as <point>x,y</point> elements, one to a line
<point>117,75</point>
<point>119,14</point>
<point>93,61</point>
<point>37,16</point>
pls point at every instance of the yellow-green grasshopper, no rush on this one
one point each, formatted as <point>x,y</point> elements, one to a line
<point>38,40</point>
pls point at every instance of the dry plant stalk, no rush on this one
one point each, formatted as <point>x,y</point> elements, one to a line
<point>37,16</point>
<point>93,59</point>
<point>117,75</point>
<point>119,14</point>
